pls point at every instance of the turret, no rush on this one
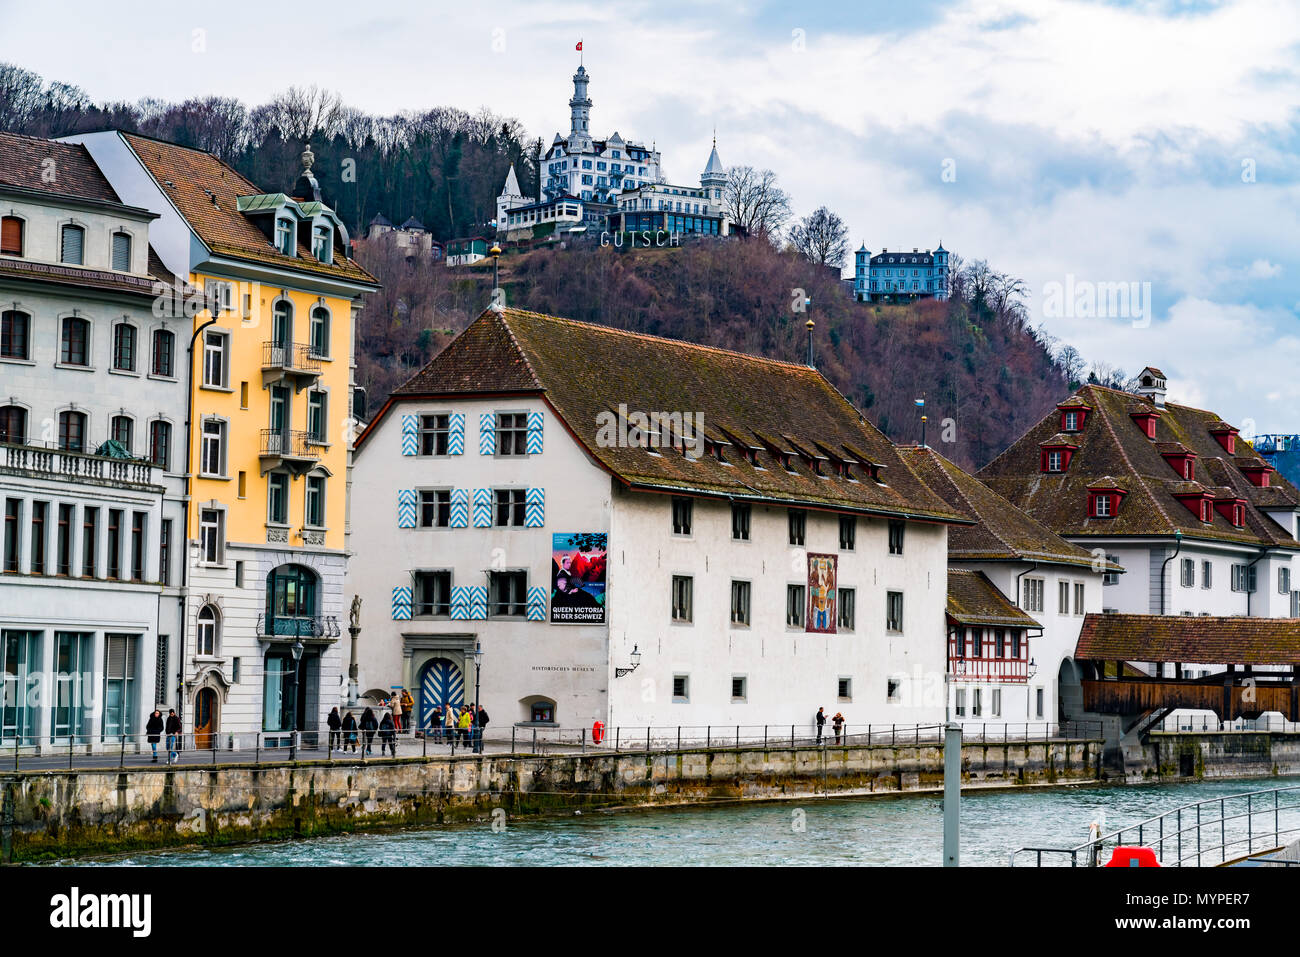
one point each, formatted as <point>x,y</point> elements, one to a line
<point>580,113</point>
<point>714,178</point>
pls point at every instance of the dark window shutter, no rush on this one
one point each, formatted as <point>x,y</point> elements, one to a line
<point>11,236</point>
<point>121,252</point>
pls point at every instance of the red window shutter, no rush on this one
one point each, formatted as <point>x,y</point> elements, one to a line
<point>11,236</point>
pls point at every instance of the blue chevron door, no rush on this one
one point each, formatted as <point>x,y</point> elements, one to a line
<point>441,683</point>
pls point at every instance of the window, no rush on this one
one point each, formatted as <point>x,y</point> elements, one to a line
<point>1053,461</point>
<point>740,515</point>
<point>848,598</point>
<point>13,514</point>
<point>63,542</point>
<point>435,508</point>
<point>844,689</point>
<point>1188,574</point>
<point>284,236</point>
<point>740,603</point>
<point>165,552</point>
<point>1038,697</point>
<point>960,703</point>
<point>321,243</point>
<point>1015,643</point>
<point>72,431</point>
<point>738,687</point>
<point>314,501</point>
<point>282,326</point>
<point>512,433</point>
<point>432,594</point>
<point>220,296</point>
<point>242,482</point>
<point>999,643</point>
<point>160,441</point>
<point>896,537</point>
<point>1283,581</point>
<point>996,706</point>
<point>114,544</point>
<point>122,252</point>
<point>1207,571</point>
<point>1071,424</point>
<point>239,574</point>
<point>683,513</point>
<point>124,347</point>
<point>11,236</point>
<point>435,432</point>
<point>277,498</point>
<point>13,425</point>
<point>74,347</point>
<point>506,593</point>
<point>1033,594</point>
<point>894,611</point>
<point>681,688</point>
<point>794,606</point>
<point>1109,577</point>
<point>1062,598</point>
<point>212,448</point>
<point>72,240</point>
<point>798,523</point>
<point>137,546</point>
<point>212,538</point>
<point>206,635</point>
<point>1101,506</point>
<point>509,507</point>
<point>976,708</point>
<point>214,360</point>
<point>319,339</point>
<point>683,609</point>
<point>160,671</point>
<point>164,344</point>
<point>89,536</point>
<point>316,416</point>
<point>121,429</point>
<point>119,684</point>
<point>15,335</point>
<point>848,532</point>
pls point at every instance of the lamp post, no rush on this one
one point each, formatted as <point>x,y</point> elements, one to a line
<point>495,253</point>
<point>478,668</point>
<point>951,771</point>
<point>636,663</point>
<point>296,650</point>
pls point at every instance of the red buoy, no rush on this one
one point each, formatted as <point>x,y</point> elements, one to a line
<point>597,732</point>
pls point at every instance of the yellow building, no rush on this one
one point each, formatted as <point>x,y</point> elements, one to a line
<point>270,308</point>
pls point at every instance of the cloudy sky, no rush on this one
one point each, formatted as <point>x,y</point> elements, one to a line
<point>1073,143</point>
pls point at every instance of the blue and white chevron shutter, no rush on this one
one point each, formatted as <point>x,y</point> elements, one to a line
<point>410,435</point>
<point>487,433</point>
<point>406,499</point>
<point>460,508</point>
<point>460,602</point>
<point>534,446</point>
<point>456,434</point>
<point>402,603</point>
<point>478,602</point>
<point>537,603</point>
<point>534,508</point>
<point>482,508</point>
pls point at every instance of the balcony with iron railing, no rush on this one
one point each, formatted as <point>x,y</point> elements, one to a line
<point>50,462</point>
<point>295,450</point>
<point>297,362</point>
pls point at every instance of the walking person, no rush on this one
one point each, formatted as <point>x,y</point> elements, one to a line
<point>408,710</point>
<point>368,727</point>
<point>350,731</point>
<point>395,706</point>
<point>466,722</point>
<point>480,725</point>
<point>821,723</point>
<point>435,723</point>
<point>837,724</point>
<point>153,731</point>
<point>335,723</point>
<point>173,735</point>
<point>452,725</point>
<point>387,735</point>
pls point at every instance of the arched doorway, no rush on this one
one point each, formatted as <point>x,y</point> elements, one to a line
<point>441,684</point>
<point>1069,692</point>
<point>205,718</point>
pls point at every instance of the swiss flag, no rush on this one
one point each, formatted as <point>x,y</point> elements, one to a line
<point>579,46</point>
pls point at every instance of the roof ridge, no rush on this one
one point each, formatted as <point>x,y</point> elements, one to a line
<point>528,363</point>
<point>679,342</point>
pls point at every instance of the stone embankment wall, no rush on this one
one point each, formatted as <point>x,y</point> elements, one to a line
<point>61,814</point>
<point>1170,755</point>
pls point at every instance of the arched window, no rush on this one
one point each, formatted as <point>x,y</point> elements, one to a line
<point>122,252</point>
<point>160,444</point>
<point>72,431</point>
<point>13,424</point>
<point>122,431</point>
<point>15,335</point>
<point>284,238</point>
<point>291,601</point>
<point>282,324</point>
<point>208,635</point>
<point>11,236</point>
<point>72,242</point>
<point>124,347</point>
<point>320,331</point>
<point>164,345</point>
<point>74,348</point>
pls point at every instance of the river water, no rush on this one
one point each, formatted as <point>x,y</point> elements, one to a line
<point>903,830</point>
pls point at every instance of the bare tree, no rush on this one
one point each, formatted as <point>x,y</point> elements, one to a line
<point>1071,363</point>
<point>754,202</point>
<point>822,238</point>
<point>20,97</point>
<point>303,112</point>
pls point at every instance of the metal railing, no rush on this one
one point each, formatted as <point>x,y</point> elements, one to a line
<point>321,744</point>
<point>1212,723</point>
<point>290,443</point>
<point>295,356</point>
<point>1205,833</point>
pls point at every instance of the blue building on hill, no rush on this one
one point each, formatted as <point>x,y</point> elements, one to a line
<point>900,276</point>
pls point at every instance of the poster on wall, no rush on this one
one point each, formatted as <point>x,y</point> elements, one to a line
<point>821,593</point>
<point>578,577</point>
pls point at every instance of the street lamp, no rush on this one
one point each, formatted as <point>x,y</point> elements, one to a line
<point>296,650</point>
<point>636,663</point>
<point>478,667</point>
<point>495,253</point>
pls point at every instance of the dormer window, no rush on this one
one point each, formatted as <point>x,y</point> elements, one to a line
<point>1070,423</point>
<point>322,243</point>
<point>1102,505</point>
<point>1239,515</point>
<point>1257,474</point>
<point>1104,499</point>
<point>1056,454</point>
<point>1206,516</point>
<point>284,236</point>
<point>1226,436</point>
<point>1054,460</point>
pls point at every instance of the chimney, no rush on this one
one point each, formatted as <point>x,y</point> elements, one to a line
<point>1151,386</point>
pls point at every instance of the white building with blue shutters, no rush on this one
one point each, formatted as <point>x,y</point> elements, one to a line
<point>744,549</point>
